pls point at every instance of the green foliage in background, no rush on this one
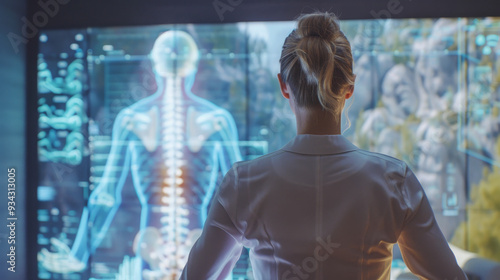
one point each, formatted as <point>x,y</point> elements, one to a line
<point>481,232</point>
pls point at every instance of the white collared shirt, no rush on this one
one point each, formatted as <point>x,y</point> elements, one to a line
<point>320,208</point>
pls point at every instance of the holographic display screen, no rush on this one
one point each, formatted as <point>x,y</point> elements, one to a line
<point>138,125</point>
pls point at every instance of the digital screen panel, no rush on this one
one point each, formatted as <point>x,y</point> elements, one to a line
<point>138,125</point>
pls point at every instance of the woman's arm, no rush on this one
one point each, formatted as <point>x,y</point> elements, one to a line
<point>214,254</point>
<point>423,246</point>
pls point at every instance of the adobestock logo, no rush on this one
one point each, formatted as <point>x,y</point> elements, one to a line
<point>393,7</point>
<point>49,9</point>
<point>222,7</point>
<point>310,264</point>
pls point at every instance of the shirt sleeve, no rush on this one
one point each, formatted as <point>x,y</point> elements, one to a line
<point>423,246</point>
<point>215,253</point>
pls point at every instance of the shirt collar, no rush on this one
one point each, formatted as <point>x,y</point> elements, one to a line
<point>319,144</point>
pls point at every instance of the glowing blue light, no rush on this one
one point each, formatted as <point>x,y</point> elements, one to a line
<point>46,193</point>
<point>480,40</point>
<point>43,38</point>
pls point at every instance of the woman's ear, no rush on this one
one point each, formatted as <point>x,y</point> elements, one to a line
<point>349,92</point>
<point>285,91</point>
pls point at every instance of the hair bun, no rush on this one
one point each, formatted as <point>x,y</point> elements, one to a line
<point>316,61</point>
<point>322,25</point>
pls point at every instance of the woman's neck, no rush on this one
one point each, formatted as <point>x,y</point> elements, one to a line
<point>316,121</point>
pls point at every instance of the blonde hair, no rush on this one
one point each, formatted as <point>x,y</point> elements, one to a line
<point>316,62</point>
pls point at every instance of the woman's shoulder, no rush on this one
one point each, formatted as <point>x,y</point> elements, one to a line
<point>380,156</point>
<point>385,162</point>
<point>258,161</point>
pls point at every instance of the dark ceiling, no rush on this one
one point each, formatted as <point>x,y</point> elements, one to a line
<point>84,13</point>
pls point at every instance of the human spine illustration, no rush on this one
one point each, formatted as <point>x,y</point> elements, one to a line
<point>171,147</point>
<point>175,221</point>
